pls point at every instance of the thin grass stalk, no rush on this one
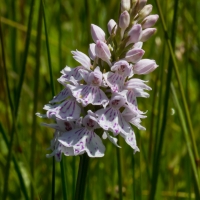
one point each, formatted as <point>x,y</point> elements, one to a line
<point>119,171</point>
<point>134,188</point>
<point>159,106</point>
<point>152,120</point>
<point>185,106</point>
<point>156,164</point>
<point>5,73</point>
<point>28,37</point>
<point>48,51</point>
<point>187,139</point>
<point>63,179</point>
<point>159,117</point>
<point>73,176</point>
<point>16,166</point>
<point>147,162</point>
<point>53,94</point>
<point>139,197</point>
<point>60,36</point>
<point>82,175</point>
<point>19,89</point>
<point>13,36</point>
<point>62,167</point>
<point>35,101</point>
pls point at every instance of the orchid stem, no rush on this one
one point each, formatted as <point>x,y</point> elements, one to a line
<point>82,175</point>
<point>119,173</point>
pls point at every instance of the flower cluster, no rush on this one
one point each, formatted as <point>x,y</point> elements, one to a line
<point>99,98</point>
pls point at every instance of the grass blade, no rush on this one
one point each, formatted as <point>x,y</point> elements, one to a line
<point>119,171</point>
<point>188,143</point>
<point>16,166</point>
<point>19,89</point>
<point>185,106</point>
<point>53,94</point>
<point>48,52</point>
<point>82,175</point>
<point>35,101</point>
<point>156,163</point>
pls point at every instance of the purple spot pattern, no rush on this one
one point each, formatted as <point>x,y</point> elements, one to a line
<point>68,108</point>
<point>88,94</point>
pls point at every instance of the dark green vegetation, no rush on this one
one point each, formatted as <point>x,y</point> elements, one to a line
<point>168,165</point>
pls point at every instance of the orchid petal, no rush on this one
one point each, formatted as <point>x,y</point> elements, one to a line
<point>111,119</point>
<point>68,108</point>
<point>87,94</point>
<point>114,80</point>
<point>95,147</point>
<point>91,51</point>
<point>66,92</point>
<point>112,139</point>
<point>82,58</point>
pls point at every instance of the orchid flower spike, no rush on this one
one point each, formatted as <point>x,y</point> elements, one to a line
<point>100,95</point>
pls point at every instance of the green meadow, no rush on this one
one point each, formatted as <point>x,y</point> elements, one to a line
<point>36,40</point>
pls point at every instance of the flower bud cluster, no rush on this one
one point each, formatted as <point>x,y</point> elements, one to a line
<point>99,98</point>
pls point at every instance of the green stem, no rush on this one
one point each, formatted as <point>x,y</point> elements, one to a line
<point>5,73</point>
<point>73,176</point>
<point>188,143</point>
<point>133,167</point>
<point>156,163</point>
<point>82,175</point>
<point>60,36</point>
<point>35,103</point>
<point>16,166</point>
<point>62,169</point>
<point>48,51</point>
<point>185,106</point>
<point>119,172</point>
<point>19,89</point>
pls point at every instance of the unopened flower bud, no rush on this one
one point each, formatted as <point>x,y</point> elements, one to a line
<point>145,11</point>
<point>97,33</point>
<point>147,33</point>
<point>102,51</point>
<point>124,21</point>
<point>144,66</point>
<point>149,21</point>
<point>138,45</point>
<point>91,51</point>
<point>134,55</point>
<point>142,3</point>
<point>134,34</point>
<point>125,5</point>
<point>112,24</point>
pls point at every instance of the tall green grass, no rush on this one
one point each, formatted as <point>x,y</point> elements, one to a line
<point>36,42</point>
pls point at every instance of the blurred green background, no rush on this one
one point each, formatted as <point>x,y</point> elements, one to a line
<point>163,151</point>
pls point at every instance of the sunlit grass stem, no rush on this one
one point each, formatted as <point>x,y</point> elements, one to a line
<point>185,106</point>
<point>156,164</point>
<point>187,140</point>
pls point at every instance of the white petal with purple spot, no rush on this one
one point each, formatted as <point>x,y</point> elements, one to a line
<point>111,119</point>
<point>112,139</point>
<point>87,94</point>
<point>66,92</point>
<point>68,108</point>
<point>114,80</point>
